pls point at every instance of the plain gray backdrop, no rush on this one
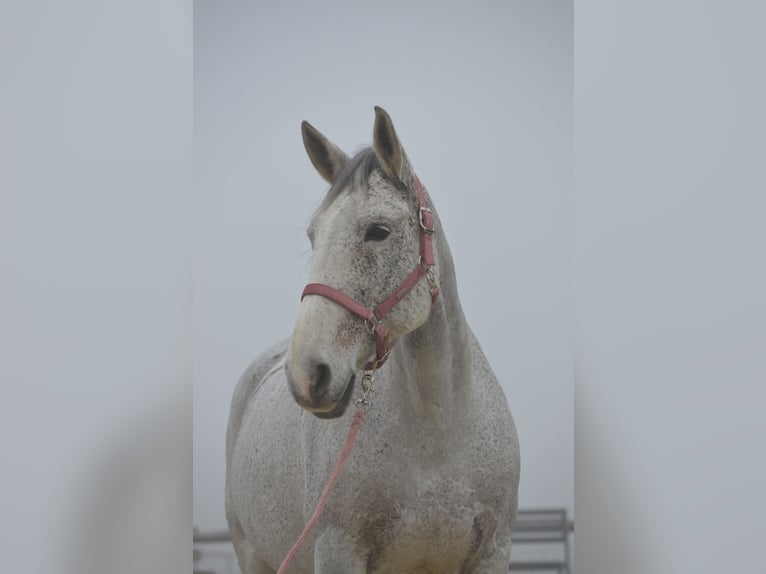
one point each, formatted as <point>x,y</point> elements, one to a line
<point>481,96</point>
<point>96,285</point>
<point>670,189</point>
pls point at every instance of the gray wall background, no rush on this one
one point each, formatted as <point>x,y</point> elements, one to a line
<point>481,96</point>
<point>670,189</point>
<point>96,286</point>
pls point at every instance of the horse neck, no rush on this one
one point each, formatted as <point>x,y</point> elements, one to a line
<point>434,360</point>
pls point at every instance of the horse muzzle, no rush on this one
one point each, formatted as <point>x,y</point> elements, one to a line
<point>316,388</point>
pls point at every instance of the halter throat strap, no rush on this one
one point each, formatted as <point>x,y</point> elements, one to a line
<point>373,317</point>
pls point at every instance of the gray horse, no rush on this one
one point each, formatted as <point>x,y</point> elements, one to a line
<point>431,485</point>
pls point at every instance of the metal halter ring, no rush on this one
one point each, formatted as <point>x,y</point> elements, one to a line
<point>371,324</point>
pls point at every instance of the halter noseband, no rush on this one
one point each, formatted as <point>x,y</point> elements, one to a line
<point>373,317</point>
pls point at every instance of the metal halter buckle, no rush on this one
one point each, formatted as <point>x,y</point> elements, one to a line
<point>423,226</point>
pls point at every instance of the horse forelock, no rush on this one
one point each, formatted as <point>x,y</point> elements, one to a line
<point>355,175</point>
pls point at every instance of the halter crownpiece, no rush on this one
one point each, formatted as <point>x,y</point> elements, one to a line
<point>373,317</point>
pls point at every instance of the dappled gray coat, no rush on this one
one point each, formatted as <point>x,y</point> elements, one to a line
<point>431,485</point>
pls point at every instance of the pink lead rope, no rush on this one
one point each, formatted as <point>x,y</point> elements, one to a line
<point>353,432</point>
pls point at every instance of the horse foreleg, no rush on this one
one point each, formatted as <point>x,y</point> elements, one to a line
<point>495,563</point>
<point>248,562</point>
<point>335,553</point>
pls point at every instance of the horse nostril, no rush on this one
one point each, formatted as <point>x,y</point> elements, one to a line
<point>321,380</point>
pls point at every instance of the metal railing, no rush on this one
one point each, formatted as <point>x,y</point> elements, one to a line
<point>545,527</point>
<point>548,527</point>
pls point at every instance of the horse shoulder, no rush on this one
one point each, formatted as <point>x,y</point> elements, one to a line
<point>246,388</point>
<point>248,385</point>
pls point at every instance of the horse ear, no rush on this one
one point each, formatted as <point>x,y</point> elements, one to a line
<point>327,158</point>
<point>387,147</point>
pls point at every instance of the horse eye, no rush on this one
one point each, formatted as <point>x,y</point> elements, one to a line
<point>376,233</point>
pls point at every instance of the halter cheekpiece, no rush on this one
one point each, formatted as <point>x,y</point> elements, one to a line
<point>373,317</point>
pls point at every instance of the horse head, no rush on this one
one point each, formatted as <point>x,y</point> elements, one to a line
<point>367,241</point>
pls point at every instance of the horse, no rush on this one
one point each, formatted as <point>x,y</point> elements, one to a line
<point>432,483</point>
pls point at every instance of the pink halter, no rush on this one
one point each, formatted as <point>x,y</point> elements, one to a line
<point>373,317</point>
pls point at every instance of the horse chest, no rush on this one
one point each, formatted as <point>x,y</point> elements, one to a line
<point>430,505</point>
<point>434,527</point>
